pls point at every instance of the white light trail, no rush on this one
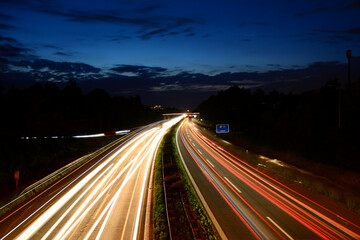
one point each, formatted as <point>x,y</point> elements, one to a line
<point>92,189</point>
<point>75,217</point>
<point>37,224</point>
<point>153,150</point>
<point>127,178</point>
<point>72,206</point>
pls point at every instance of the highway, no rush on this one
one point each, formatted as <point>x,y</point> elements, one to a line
<point>104,199</point>
<point>245,203</point>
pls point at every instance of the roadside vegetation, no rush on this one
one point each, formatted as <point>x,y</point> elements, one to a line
<point>161,230</point>
<point>321,125</point>
<point>48,110</point>
<point>316,131</point>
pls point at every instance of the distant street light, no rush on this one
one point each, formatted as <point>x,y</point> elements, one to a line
<point>348,55</point>
<point>16,176</point>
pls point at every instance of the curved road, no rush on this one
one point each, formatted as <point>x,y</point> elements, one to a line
<point>106,199</point>
<point>245,203</point>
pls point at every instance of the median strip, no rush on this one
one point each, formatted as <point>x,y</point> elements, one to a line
<point>181,210</point>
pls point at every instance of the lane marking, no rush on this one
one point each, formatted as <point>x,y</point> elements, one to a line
<point>200,152</point>
<point>282,230</point>
<point>233,185</point>
<point>210,163</point>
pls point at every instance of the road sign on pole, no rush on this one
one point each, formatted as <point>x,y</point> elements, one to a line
<point>222,128</point>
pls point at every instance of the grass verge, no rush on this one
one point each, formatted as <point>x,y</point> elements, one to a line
<point>161,230</point>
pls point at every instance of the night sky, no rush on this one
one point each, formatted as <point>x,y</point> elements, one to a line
<point>178,52</point>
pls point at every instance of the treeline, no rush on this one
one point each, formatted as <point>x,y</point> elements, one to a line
<point>46,109</point>
<point>321,125</point>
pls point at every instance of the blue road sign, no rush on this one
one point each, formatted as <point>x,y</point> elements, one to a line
<point>222,128</point>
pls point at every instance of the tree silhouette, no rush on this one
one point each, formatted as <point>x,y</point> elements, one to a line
<point>305,124</point>
<point>45,109</point>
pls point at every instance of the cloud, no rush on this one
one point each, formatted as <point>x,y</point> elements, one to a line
<point>323,9</point>
<point>162,83</point>
<point>144,21</point>
<point>52,47</point>
<point>167,87</point>
<point>209,88</point>
<point>299,14</point>
<point>57,67</point>
<point>106,18</point>
<point>332,36</point>
<point>152,33</point>
<point>10,51</point>
<point>250,66</point>
<point>349,31</point>
<point>148,9</point>
<point>354,5</point>
<point>6,17</point>
<point>169,27</point>
<point>63,54</point>
<point>273,65</point>
<point>6,26</point>
<point>320,65</point>
<point>189,87</point>
<point>8,39</point>
<point>248,23</point>
<point>137,70</point>
<point>337,6</point>
<point>167,31</point>
<point>116,38</point>
<point>149,24</point>
<point>353,31</point>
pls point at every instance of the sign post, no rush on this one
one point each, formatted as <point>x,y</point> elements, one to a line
<point>222,128</point>
<point>16,176</point>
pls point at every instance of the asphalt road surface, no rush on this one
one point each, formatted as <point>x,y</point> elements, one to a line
<point>245,203</point>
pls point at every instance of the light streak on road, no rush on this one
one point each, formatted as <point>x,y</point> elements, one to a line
<point>101,134</point>
<point>244,215</point>
<point>264,202</point>
<point>107,201</point>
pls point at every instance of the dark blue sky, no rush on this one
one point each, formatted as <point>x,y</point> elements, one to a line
<point>116,40</point>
